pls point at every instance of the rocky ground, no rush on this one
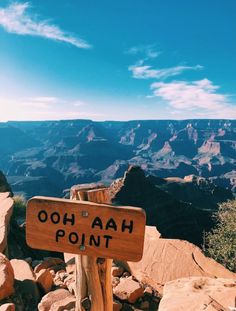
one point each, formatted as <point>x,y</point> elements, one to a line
<point>173,275</point>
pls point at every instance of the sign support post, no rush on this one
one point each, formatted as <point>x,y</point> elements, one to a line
<point>96,233</point>
<point>93,293</point>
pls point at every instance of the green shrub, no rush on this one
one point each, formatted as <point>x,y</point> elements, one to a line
<point>221,241</point>
<point>19,207</point>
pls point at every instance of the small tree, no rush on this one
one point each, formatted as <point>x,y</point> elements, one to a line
<point>221,241</point>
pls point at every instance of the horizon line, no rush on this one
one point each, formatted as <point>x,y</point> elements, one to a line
<point>131,120</point>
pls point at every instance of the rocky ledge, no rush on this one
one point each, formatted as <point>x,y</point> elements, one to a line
<point>173,275</point>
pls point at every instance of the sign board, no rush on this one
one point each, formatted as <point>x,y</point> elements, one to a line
<point>85,228</point>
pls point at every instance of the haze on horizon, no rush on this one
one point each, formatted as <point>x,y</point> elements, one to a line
<point>117,60</point>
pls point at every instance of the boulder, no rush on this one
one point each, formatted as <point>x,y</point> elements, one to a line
<point>64,304</point>
<point>6,209</point>
<point>25,281</point>
<point>56,300</point>
<point>168,259</point>
<point>117,271</point>
<point>7,307</point>
<point>51,263</point>
<point>199,293</point>
<point>45,279</point>
<point>6,277</point>
<point>128,289</point>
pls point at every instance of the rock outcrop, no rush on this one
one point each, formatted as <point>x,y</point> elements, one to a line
<point>190,280</point>
<point>6,278</point>
<point>198,294</point>
<point>173,218</point>
<point>165,260</point>
<point>6,209</point>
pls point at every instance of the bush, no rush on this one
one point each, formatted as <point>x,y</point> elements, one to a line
<point>19,207</point>
<point>221,241</point>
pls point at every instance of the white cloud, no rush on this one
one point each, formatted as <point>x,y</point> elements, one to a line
<point>199,97</point>
<point>140,71</point>
<point>16,19</point>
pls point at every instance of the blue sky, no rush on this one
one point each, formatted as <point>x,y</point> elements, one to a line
<point>117,60</point>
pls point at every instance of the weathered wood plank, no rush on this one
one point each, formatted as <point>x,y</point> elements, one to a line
<point>86,228</point>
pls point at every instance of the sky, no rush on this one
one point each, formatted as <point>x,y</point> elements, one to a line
<point>117,60</point>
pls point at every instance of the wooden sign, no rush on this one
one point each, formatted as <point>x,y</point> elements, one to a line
<point>85,228</point>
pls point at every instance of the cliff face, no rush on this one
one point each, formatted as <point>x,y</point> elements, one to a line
<point>55,155</point>
<point>172,217</point>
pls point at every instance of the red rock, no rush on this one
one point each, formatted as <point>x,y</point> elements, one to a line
<point>168,259</point>
<point>198,294</point>
<point>49,263</point>
<point>64,304</point>
<point>7,307</point>
<point>26,279</point>
<point>6,210</point>
<point>148,290</point>
<point>45,279</point>
<point>6,277</point>
<point>128,289</point>
<point>47,302</point>
<point>117,271</point>
<point>116,306</point>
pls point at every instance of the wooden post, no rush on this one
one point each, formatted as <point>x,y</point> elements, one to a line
<point>93,275</point>
<point>92,230</point>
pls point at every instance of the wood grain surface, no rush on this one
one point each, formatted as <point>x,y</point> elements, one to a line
<point>86,228</point>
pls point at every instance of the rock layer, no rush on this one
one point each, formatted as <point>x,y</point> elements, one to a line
<point>198,294</point>
<point>165,260</point>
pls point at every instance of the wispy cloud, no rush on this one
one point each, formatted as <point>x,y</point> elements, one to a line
<point>45,99</point>
<point>200,97</point>
<point>140,71</point>
<point>45,108</point>
<point>17,19</point>
<point>146,51</point>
